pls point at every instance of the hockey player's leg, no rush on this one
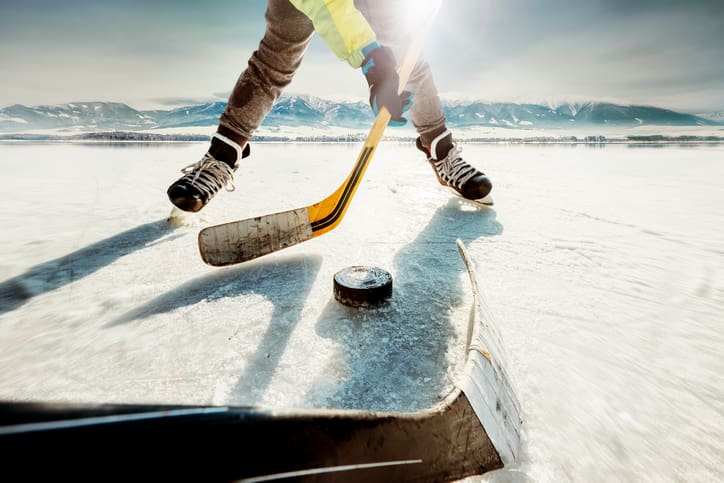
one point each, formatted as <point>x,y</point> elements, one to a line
<point>270,69</point>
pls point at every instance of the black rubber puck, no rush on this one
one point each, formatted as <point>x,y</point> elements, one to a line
<point>362,286</point>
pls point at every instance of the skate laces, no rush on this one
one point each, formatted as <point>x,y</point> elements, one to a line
<point>453,169</point>
<point>209,175</point>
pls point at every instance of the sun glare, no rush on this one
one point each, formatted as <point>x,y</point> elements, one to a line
<point>416,13</point>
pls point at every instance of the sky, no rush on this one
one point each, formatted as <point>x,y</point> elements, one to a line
<point>148,54</point>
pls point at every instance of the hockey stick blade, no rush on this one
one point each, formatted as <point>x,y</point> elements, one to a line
<point>243,240</point>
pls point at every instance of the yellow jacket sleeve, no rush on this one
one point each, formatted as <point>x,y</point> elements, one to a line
<point>342,27</point>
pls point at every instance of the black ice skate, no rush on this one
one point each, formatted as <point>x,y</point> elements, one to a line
<point>202,180</point>
<point>451,170</point>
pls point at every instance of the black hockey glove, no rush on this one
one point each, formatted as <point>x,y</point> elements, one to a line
<point>380,69</point>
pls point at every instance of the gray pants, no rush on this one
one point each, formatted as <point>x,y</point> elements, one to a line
<point>272,67</point>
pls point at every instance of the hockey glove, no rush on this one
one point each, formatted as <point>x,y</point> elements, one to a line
<point>380,69</point>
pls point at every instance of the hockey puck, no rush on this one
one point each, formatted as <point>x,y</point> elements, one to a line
<point>362,286</point>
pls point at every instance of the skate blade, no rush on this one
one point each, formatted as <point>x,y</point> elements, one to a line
<point>487,201</point>
<point>482,202</point>
<point>178,218</point>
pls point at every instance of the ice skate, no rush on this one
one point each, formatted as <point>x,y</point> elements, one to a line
<point>451,170</point>
<point>203,179</point>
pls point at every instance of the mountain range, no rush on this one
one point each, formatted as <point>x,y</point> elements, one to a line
<point>296,110</point>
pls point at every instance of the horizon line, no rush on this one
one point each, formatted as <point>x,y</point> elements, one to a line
<point>177,103</point>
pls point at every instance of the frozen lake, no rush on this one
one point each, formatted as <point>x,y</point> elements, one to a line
<point>604,266</point>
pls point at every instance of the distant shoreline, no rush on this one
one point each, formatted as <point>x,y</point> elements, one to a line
<point>135,137</point>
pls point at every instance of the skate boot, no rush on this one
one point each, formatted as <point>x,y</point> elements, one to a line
<point>202,180</point>
<point>451,170</point>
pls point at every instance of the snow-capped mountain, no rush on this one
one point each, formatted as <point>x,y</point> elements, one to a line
<point>87,116</point>
<point>295,111</point>
<point>717,116</point>
<point>613,114</point>
<point>197,115</point>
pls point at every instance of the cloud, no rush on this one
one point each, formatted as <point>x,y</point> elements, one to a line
<point>640,51</point>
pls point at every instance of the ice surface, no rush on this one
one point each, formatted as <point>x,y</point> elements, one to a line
<point>119,306</point>
<point>603,265</point>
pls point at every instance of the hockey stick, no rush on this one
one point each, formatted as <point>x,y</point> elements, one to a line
<point>243,240</point>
